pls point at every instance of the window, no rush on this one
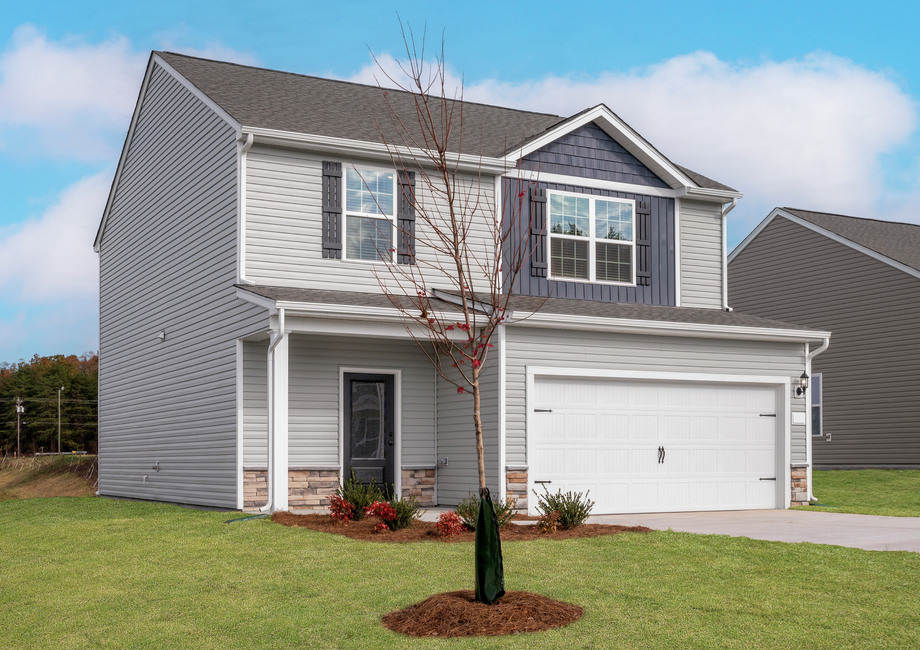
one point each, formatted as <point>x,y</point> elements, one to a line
<point>592,238</point>
<point>817,414</point>
<point>369,214</point>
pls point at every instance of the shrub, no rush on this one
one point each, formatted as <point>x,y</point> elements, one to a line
<point>395,514</point>
<point>341,509</point>
<point>572,507</point>
<point>449,524</point>
<point>548,522</point>
<point>359,495</point>
<point>468,509</point>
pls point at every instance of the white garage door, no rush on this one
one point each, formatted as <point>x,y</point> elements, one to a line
<point>644,446</point>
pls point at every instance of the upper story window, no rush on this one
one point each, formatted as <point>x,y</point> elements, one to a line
<point>592,238</point>
<point>369,214</point>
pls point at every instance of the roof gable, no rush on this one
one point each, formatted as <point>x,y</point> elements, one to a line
<point>896,244</point>
<point>589,152</point>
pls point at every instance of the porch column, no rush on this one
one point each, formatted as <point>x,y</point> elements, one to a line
<point>278,423</point>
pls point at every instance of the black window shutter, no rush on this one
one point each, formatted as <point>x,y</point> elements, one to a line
<point>405,216</point>
<point>643,243</point>
<point>538,233</point>
<point>332,210</point>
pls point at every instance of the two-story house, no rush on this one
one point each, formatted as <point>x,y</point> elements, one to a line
<point>249,358</point>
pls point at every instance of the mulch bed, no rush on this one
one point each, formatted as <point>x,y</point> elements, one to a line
<point>421,531</point>
<point>456,614</point>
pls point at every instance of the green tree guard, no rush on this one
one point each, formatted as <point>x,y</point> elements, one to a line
<point>490,575</point>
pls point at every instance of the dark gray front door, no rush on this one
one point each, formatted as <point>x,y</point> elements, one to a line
<point>370,445</point>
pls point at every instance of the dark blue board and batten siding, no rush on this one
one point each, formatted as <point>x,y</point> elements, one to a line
<point>662,288</point>
<point>588,152</point>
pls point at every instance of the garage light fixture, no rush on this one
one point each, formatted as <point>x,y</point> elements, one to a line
<point>803,385</point>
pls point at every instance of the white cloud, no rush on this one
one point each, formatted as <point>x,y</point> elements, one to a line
<point>67,97</point>
<point>806,132</point>
<point>51,257</point>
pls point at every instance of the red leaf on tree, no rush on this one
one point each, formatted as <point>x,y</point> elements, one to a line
<point>475,363</point>
<point>520,195</point>
<point>459,389</point>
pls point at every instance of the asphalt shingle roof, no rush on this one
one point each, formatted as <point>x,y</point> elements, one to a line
<point>284,101</point>
<point>564,306</point>
<point>899,241</point>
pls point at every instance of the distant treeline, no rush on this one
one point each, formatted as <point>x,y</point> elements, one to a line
<point>36,383</point>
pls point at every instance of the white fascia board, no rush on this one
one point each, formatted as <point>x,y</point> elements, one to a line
<point>155,60</point>
<point>256,299</point>
<point>371,150</point>
<point>708,194</point>
<point>619,131</point>
<point>663,328</point>
<point>779,212</point>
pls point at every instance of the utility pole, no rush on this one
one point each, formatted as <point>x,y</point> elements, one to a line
<point>59,420</point>
<point>20,409</point>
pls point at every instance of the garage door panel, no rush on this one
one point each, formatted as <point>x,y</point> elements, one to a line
<point>580,425</point>
<point>603,436</point>
<point>643,427</point>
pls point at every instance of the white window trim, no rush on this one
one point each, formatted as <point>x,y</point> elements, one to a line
<point>592,240</point>
<point>390,217</point>
<point>820,405</point>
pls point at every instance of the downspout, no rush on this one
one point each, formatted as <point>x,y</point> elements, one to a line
<point>725,211</point>
<point>241,219</point>
<point>808,357</point>
<point>270,434</point>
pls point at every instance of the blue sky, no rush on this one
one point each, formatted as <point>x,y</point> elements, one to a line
<point>810,105</point>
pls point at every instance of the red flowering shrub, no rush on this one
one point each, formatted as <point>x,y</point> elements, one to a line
<point>383,511</point>
<point>548,522</point>
<point>381,527</point>
<point>449,524</point>
<point>340,508</point>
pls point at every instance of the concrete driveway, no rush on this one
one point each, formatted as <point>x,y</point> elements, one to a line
<point>868,532</point>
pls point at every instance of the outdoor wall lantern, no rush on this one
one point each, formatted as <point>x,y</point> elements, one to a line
<point>803,385</point>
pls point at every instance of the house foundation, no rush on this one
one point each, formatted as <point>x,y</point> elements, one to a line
<point>799,485</point>
<point>516,488</point>
<point>308,489</point>
<point>419,483</point>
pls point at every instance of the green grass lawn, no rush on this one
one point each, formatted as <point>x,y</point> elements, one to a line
<point>895,493</point>
<point>94,573</point>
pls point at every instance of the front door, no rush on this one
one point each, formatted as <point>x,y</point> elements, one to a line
<point>370,448</point>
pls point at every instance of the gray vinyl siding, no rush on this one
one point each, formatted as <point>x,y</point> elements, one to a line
<point>700,254</point>
<point>590,153</point>
<point>593,350</point>
<point>284,225</point>
<point>255,403</point>
<point>457,437</point>
<point>314,397</point>
<point>661,291</point>
<point>168,262</point>
<point>871,384</point>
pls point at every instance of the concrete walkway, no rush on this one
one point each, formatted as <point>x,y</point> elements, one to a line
<point>868,532</point>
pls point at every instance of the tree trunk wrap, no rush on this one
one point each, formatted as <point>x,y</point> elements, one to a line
<point>490,574</point>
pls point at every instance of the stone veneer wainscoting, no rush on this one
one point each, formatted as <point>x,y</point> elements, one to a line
<point>516,487</point>
<point>419,483</point>
<point>799,485</point>
<point>308,489</point>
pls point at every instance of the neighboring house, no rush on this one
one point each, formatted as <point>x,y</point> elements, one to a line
<point>244,350</point>
<point>859,278</point>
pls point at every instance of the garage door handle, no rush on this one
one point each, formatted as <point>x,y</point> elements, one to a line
<point>542,482</point>
<point>768,479</point>
<point>768,415</point>
<point>543,410</point>
<point>661,455</point>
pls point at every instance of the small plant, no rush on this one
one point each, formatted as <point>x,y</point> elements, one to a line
<point>572,508</point>
<point>359,495</point>
<point>340,508</point>
<point>548,522</point>
<point>396,513</point>
<point>449,524</point>
<point>468,509</point>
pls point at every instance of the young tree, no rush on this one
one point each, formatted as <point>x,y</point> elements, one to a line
<point>460,253</point>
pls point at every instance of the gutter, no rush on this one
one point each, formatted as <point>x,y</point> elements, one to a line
<point>725,211</point>
<point>270,482</point>
<point>808,358</point>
